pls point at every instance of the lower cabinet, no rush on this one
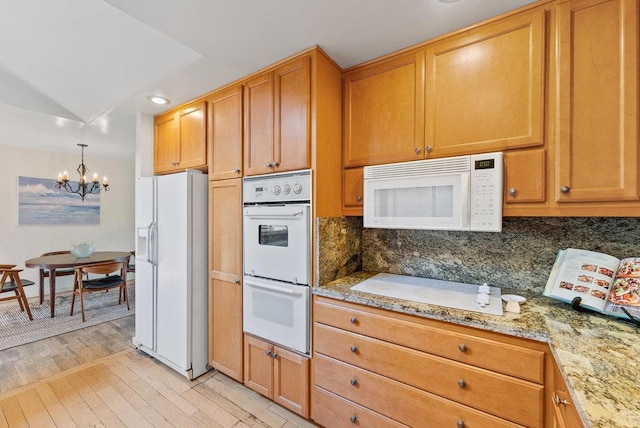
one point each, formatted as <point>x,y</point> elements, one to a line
<point>277,373</point>
<point>565,414</point>
<point>373,367</point>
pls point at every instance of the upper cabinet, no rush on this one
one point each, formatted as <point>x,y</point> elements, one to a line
<point>384,111</point>
<point>485,87</point>
<point>180,139</point>
<point>597,102</point>
<point>277,119</point>
<point>224,133</point>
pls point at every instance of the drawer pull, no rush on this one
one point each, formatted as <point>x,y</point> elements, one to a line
<point>460,424</point>
<point>353,320</point>
<point>558,401</point>
<point>354,348</point>
<point>358,198</point>
<point>275,355</point>
<point>267,353</point>
<point>462,347</point>
<point>565,189</point>
<point>353,381</point>
<point>461,383</point>
<point>353,419</point>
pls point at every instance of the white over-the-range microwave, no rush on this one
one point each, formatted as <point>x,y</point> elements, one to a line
<point>455,193</point>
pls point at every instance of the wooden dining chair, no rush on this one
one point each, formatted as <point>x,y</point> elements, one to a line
<point>10,282</point>
<point>44,273</point>
<point>115,277</point>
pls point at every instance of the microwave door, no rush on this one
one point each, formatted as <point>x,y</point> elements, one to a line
<point>434,202</point>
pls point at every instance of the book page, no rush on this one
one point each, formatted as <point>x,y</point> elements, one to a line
<point>626,289</point>
<point>585,274</point>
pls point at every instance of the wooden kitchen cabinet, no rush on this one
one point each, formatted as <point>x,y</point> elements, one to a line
<point>278,118</point>
<point>224,133</point>
<point>597,116</point>
<point>524,179</point>
<point>384,111</point>
<point>353,191</point>
<point>180,139</point>
<point>278,374</point>
<point>225,281</point>
<point>402,367</point>
<point>565,414</point>
<point>485,87</point>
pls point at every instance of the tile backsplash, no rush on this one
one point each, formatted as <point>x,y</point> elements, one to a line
<point>520,257</point>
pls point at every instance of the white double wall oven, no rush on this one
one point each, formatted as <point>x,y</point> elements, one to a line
<point>277,258</point>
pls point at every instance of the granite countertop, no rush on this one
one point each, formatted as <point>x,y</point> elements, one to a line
<point>598,356</point>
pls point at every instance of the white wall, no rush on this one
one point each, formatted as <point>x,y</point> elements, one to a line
<point>21,242</point>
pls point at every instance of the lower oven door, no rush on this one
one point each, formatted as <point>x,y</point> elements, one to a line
<point>277,311</point>
<point>277,242</point>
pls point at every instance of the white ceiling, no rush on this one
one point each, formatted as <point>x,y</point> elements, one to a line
<point>80,70</point>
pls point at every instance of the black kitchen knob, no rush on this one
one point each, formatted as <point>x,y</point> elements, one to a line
<point>462,347</point>
<point>353,419</point>
<point>353,320</point>
<point>353,381</point>
<point>354,348</point>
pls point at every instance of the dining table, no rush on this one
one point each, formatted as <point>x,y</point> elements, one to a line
<point>68,260</point>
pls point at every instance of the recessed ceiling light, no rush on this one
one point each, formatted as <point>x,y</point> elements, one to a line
<point>157,99</point>
<point>447,1</point>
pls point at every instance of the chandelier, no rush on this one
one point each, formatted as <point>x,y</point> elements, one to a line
<point>84,187</point>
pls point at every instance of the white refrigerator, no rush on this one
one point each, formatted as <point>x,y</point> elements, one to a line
<point>171,270</point>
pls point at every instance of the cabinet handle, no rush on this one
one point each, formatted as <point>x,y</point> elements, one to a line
<point>268,353</point>
<point>429,148</point>
<point>275,164</point>
<point>354,348</point>
<point>359,198</point>
<point>460,424</point>
<point>353,320</point>
<point>461,383</point>
<point>565,189</point>
<point>237,170</point>
<point>353,419</point>
<point>268,165</point>
<point>513,191</point>
<point>237,281</point>
<point>558,401</point>
<point>462,347</point>
<point>353,381</point>
<point>275,355</point>
<point>417,150</point>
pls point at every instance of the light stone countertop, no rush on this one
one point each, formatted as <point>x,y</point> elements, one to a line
<point>598,356</point>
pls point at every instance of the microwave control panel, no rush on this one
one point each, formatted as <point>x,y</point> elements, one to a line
<point>485,193</point>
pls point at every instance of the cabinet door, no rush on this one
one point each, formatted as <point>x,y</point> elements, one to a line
<point>193,131</point>
<point>565,414</point>
<point>225,282</point>
<point>384,112</point>
<point>292,88</point>
<point>224,134</point>
<point>597,124</point>
<point>258,115</point>
<point>524,176</point>
<point>353,191</point>
<point>258,365</point>
<point>291,381</point>
<point>166,152</point>
<point>485,87</point>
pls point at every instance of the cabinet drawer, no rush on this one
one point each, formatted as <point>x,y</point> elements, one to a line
<point>478,388</point>
<point>415,333</point>
<point>335,412</point>
<point>396,400</point>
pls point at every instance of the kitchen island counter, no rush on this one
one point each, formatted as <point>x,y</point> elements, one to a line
<point>597,355</point>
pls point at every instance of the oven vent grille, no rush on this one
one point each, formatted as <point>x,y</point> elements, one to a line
<point>419,168</point>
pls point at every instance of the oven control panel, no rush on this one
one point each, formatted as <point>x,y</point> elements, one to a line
<point>285,187</point>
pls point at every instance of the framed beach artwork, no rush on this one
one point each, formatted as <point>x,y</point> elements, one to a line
<point>39,202</point>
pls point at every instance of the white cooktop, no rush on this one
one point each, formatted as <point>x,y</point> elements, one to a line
<point>450,294</point>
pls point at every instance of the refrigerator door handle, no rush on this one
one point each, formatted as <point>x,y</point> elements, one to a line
<point>151,243</point>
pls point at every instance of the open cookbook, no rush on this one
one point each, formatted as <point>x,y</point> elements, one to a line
<point>604,283</point>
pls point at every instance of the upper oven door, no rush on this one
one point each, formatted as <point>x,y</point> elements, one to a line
<point>277,242</point>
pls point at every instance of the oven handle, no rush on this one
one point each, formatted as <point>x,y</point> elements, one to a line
<point>273,288</point>
<point>274,216</point>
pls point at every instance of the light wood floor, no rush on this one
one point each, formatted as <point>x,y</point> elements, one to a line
<point>95,378</point>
